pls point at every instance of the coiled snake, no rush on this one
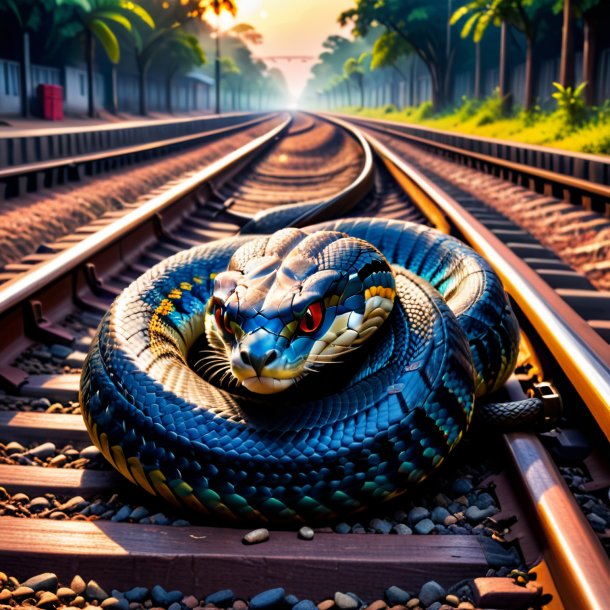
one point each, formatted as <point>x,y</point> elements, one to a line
<point>289,420</point>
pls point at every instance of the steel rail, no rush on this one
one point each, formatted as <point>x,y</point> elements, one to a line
<point>74,160</point>
<point>582,353</point>
<point>564,180</point>
<point>22,287</point>
<point>580,568</point>
<point>576,558</point>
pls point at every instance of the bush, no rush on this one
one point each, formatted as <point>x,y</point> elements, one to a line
<point>490,110</point>
<point>389,108</point>
<point>532,116</point>
<point>571,104</point>
<point>424,111</point>
<point>467,109</point>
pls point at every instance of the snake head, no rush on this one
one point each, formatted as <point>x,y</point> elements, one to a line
<point>294,302</point>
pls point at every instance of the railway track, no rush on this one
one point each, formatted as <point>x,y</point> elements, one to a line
<point>80,520</point>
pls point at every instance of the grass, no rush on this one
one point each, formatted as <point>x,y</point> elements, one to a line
<point>485,119</point>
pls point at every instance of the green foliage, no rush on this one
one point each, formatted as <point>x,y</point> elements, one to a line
<point>570,104</point>
<point>468,108</point>
<point>490,110</point>
<point>532,116</point>
<point>388,108</point>
<point>424,111</point>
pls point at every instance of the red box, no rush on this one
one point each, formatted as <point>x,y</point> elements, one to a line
<point>51,102</point>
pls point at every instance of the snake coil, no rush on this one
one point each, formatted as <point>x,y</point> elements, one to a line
<point>313,454</point>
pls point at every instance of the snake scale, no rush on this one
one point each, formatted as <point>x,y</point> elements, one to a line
<point>336,367</point>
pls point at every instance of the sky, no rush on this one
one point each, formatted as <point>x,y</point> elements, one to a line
<point>291,27</point>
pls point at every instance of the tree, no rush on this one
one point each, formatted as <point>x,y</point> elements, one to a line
<point>95,18</point>
<point>217,7</point>
<point>229,71</point>
<point>182,57</point>
<point>354,69</point>
<point>420,26</point>
<point>521,14</point>
<point>29,16</point>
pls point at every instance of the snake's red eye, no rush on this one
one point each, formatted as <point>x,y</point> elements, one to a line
<point>222,321</point>
<point>312,319</point>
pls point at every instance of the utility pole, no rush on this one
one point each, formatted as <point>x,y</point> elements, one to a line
<point>217,66</point>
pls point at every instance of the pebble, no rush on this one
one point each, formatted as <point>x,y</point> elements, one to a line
<point>175,606</point>
<point>453,600</point>
<point>65,593</point>
<point>435,606</point>
<point>160,519</point>
<point>180,523</point>
<point>190,601</point>
<point>43,451</point>
<point>137,594</point>
<point>450,520</point>
<point>46,581</point>
<point>381,526</point>
<point>461,486</point>
<point>60,351</point>
<point>5,596</point>
<point>342,528</point>
<point>94,591</point>
<point>439,514</point>
<point>417,513</point>
<point>423,527</point>
<point>474,513</point>
<point>78,585</point>
<point>90,453</point>
<point>291,600</point>
<point>484,500</point>
<point>378,604</point>
<point>327,604</point>
<point>139,512</point>
<point>395,595</point>
<point>122,514</point>
<point>431,592</point>
<point>412,603</point>
<point>22,592</point>
<point>41,403</point>
<point>466,606</point>
<point>345,601</point>
<point>402,529</point>
<point>38,504</point>
<point>268,600</point>
<point>256,536</point>
<point>14,447</point>
<point>306,533</point>
<point>305,604</point>
<point>221,599</point>
<point>161,596</point>
<point>47,598</point>
<point>240,604</point>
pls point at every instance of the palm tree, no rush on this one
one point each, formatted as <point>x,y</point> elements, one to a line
<point>354,69</point>
<point>29,15</point>
<point>217,7</point>
<point>95,17</point>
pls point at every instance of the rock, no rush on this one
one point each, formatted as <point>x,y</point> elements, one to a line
<point>378,604</point>
<point>90,453</point>
<point>257,536</point>
<point>240,604</point>
<point>413,603</point>
<point>181,523</point>
<point>327,604</point>
<point>431,592</point>
<point>439,514</point>
<point>461,486</point>
<point>291,600</point>
<point>466,606</point>
<point>162,597</point>
<point>463,500</point>
<point>474,513</point>
<point>5,596</point>
<point>423,527</point>
<point>78,601</point>
<point>41,403</point>
<point>14,447</point>
<point>484,500</point>
<point>442,500</point>
<point>270,599</point>
<point>61,351</point>
<point>450,520</point>
<point>38,504</point>
<point>74,504</point>
<point>190,601</point>
<point>94,591</point>
<point>434,606</point>
<point>452,600</point>
<point>58,461</point>
<point>65,594</point>
<point>221,599</point>
<point>381,526</point>
<point>137,594</point>
<point>43,451</point>
<point>306,533</point>
<point>115,603</point>
<point>4,497</point>
<point>139,512</point>
<point>305,604</point>
<point>78,585</point>
<point>345,601</point>
<point>47,598</point>
<point>395,595</point>
<point>417,513</point>
<point>159,519</point>
<point>122,514</point>
<point>342,528</point>
<point>46,581</point>
<point>175,606</point>
<point>402,529</point>
<point>22,592</point>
